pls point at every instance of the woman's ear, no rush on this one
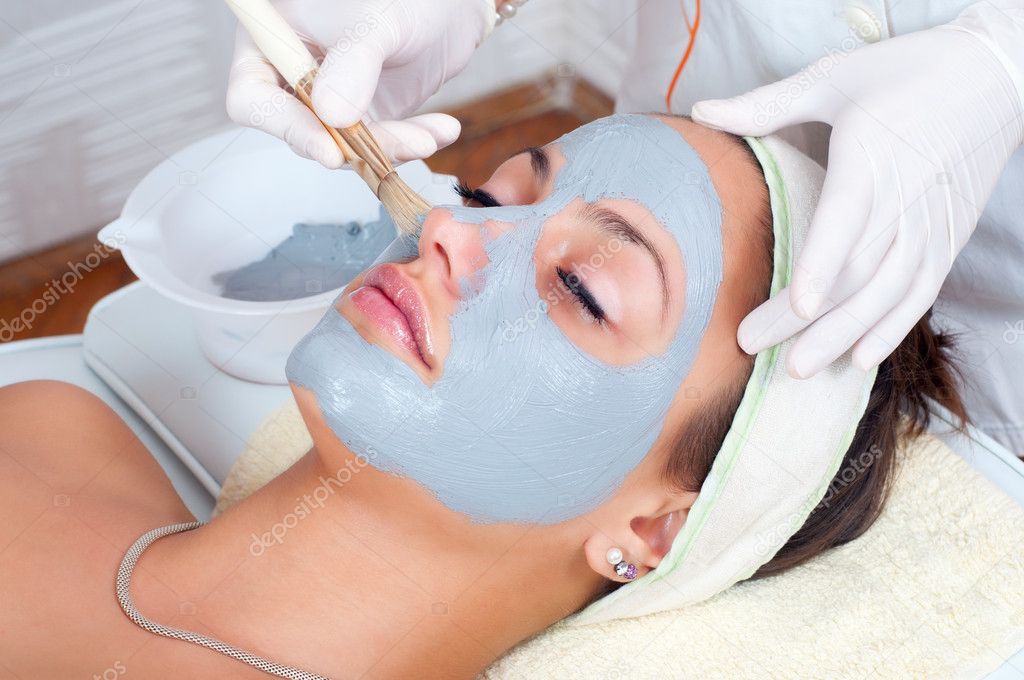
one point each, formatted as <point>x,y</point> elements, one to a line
<point>659,532</point>
<point>642,540</point>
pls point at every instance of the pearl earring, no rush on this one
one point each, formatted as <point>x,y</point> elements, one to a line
<point>507,10</point>
<point>623,569</point>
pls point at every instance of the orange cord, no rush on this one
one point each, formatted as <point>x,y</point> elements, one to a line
<point>686,55</point>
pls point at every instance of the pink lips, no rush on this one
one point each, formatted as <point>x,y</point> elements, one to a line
<point>395,307</point>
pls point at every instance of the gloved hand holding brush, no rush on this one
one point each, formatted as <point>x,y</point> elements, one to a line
<point>381,59</point>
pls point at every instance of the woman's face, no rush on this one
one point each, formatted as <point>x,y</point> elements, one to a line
<point>522,357</point>
<point>610,276</point>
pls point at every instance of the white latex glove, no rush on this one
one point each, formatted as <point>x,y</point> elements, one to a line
<point>382,58</point>
<point>922,127</point>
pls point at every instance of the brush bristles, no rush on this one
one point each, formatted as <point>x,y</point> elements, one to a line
<point>405,206</point>
<point>364,155</point>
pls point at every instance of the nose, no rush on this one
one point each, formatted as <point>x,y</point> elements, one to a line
<point>451,251</point>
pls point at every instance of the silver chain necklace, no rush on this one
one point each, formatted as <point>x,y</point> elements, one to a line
<point>124,597</point>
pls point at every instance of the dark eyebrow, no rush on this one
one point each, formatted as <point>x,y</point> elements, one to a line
<point>619,227</point>
<point>538,161</point>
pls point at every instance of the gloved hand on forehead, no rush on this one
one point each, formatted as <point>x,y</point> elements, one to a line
<point>922,127</point>
<point>381,59</point>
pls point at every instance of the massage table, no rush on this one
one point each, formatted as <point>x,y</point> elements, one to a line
<point>139,354</point>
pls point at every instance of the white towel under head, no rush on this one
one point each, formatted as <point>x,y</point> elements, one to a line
<point>782,450</point>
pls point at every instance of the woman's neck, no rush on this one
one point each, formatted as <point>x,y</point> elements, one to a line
<point>349,571</point>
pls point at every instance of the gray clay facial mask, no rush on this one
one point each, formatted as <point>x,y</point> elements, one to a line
<point>525,426</point>
<point>314,259</point>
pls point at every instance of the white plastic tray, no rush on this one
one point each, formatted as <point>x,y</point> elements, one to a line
<point>144,347</point>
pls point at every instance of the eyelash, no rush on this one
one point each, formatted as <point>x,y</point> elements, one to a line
<point>479,195</point>
<point>584,298</point>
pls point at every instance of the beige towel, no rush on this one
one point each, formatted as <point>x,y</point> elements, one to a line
<point>279,441</point>
<point>935,589</point>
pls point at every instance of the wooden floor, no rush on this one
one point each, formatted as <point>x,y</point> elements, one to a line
<point>51,292</point>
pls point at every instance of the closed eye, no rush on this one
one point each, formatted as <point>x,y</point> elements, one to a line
<point>572,282</point>
<point>478,196</point>
<point>582,294</point>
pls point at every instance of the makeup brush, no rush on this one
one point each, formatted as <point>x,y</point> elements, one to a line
<point>285,50</point>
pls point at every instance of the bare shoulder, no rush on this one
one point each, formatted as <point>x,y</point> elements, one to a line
<point>70,441</point>
<point>76,488</point>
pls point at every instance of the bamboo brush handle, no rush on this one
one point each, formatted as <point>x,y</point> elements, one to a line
<point>285,50</point>
<point>303,90</point>
<point>276,39</point>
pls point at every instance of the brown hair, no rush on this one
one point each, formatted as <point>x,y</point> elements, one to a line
<point>921,369</point>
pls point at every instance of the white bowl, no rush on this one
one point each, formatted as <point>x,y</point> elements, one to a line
<point>224,202</point>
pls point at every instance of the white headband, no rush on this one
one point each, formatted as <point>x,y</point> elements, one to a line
<point>782,450</point>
